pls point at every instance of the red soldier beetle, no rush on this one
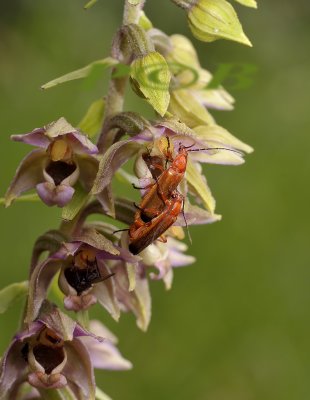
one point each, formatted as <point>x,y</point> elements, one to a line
<point>154,201</point>
<point>142,234</point>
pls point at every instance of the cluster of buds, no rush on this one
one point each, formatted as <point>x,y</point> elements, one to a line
<point>96,261</point>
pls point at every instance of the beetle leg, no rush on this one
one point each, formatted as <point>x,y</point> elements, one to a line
<point>162,239</point>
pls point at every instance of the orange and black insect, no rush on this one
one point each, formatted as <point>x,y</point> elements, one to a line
<point>142,234</point>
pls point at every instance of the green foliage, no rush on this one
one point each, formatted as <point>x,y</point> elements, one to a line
<point>92,120</point>
<point>81,73</point>
<point>12,293</point>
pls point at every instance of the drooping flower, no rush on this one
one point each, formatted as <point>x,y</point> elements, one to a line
<point>54,352</point>
<point>191,97</point>
<point>132,280</point>
<point>64,157</point>
<point>211,20</point>
<point>165,257</point>
<point>85,275</point>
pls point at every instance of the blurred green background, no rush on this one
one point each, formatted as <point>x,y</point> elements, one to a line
<point>236,324</point>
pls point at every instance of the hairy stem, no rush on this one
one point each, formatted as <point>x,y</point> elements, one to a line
<point>117,86</point>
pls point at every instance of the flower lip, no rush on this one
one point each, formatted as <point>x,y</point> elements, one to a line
<point>45,353</point>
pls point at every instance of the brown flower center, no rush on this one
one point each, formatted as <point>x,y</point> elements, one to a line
<point>48,357</point>
<point>60,170</point>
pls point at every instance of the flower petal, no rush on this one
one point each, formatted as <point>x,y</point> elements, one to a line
<point>113,159</point>
<point>81,144</point>
<point>12,367</point>
<point>95,239</point>
<point>39,283</point>
<point>52,195</point>
<point>96,327</point>
<point>35,138</point>
<point>58,322</point>
<point>27,176</point>
<point>79,370</point>
<point>105,355</point>
<point>195,215</point>
<point>138,301</point>
<point>198,184</point>
<point>105,292</point>
<point>219,134</point>
<point>88,166</point>
<point>186,107</point>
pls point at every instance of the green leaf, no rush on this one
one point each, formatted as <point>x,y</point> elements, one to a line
<point>248,3</point>
<point>90,4</point>
<point>81,73</point>
<point>100,395</point>
<point>210,20</point>
<point>78,200</point>
<point>93,118</point>
<point>198,184</point>
<point>26,197</point>
<point>12,293</point>
<point>151,76</point>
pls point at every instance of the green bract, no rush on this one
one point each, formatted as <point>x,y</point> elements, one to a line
<point>82,72</point>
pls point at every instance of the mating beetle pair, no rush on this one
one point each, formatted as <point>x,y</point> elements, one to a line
<point>161,205</point>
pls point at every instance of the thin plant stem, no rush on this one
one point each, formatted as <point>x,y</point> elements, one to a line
<point>117,85</point>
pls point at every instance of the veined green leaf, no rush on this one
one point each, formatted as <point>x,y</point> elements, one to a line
<point>81,73</point>
<point>12,293</point>
<point>93,118</point>
<point>199,185</point>
<point>79,198</point>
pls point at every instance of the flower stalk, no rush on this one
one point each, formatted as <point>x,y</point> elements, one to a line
<point>117,86</point>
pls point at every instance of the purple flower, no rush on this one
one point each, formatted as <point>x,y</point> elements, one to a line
<point>132,280</point>
<point>165,257</point>
<point>64,156</point>
<point>85,276</point>
<point>55,352</point>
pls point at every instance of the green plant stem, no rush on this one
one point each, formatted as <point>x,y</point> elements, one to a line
<point>117,86</point>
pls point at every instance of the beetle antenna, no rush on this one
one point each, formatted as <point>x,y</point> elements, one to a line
<point>219,148</point>
<point>120,230</point>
